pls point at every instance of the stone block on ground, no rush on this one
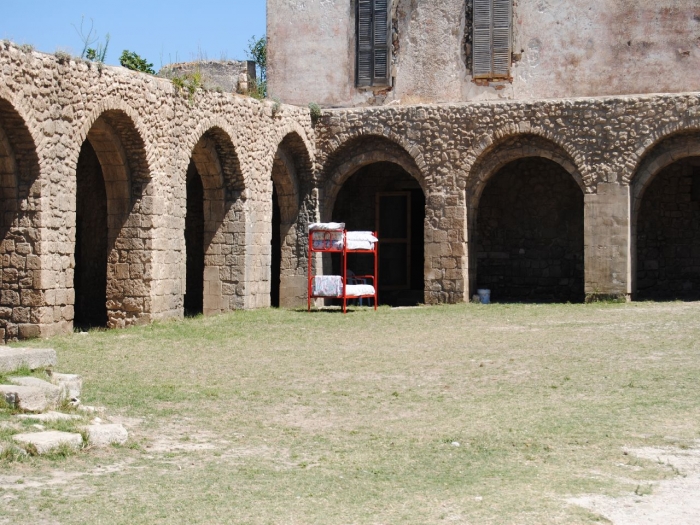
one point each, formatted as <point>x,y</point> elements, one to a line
<point>49,416</point>
<point>91,410</point>
<point>52,392</point>
<point>46,441</point>
<point>12,359</point>
<point>27,398</point>
<point>104,435</point>
<point>71,385</point>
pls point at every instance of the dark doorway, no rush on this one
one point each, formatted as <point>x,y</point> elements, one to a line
<point>276,251</point>
<point>194,243</point>
<point>383,197</point>
<point>668,234</point>
<point>529,238</point>
<point>91,243</point>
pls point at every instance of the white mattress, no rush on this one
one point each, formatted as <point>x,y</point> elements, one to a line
<point>356,290</point>
<point>326,226</point>
<point>360,240</point>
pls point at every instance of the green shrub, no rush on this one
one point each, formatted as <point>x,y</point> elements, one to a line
<point>131,60</point>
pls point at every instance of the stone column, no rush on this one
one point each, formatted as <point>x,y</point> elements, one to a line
<point>607,242</point>
<point>446,279</point>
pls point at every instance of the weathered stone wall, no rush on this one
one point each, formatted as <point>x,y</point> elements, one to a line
<point>605,144</point>
<point>216,74</point>
<point>561,48</point>
<point>145,134</point>
<point>529,241</point>
<point>668,234</point>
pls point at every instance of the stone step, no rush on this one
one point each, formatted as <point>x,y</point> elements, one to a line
<point>70,384</point>
<point>12,359</point>
<point>27,398</point>
<point>49,416</point>
<point>104,435</point>
<point>49,440</point>
<point>52,392</point>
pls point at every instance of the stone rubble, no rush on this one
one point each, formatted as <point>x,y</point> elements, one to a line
<point>12,359</point>
<point>37,398</point>
<point>49,440</point>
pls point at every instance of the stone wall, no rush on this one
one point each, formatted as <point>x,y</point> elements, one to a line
<point>145,134</point>
<point>610,147</point>
<point>529,234</point>
<point>668,234</point>
<point>221,75</point>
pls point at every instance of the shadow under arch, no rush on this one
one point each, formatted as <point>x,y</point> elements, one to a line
<point>374,184</point>
<point>112,274</point>
<point>536,178</point>
<point>357,153</point>
<point>665,188</point>
<point>291,176</point>
<point>19,225</point>
<point>213,239</point>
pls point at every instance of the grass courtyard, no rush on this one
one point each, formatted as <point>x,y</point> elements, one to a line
<point>465,414</point>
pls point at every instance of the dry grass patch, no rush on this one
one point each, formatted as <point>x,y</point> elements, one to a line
<point>465,413</point>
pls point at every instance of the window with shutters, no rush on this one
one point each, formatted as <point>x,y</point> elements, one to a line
<point>373,53</point>
<point>491,38</point>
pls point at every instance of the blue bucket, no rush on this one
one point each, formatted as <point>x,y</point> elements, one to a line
<point>484,295</point>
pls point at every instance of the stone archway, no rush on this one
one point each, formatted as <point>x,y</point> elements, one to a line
<point>112,261</point>
<point>291,177</point>
<point>213,242</point>
<point>369,174</point>
<point>665,222</point>
<point>20,296</point>
<point>384,197</point>
<point>526,223</point>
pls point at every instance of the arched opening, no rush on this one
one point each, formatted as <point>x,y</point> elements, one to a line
<point>91,241</point>
<point>194,243</point>
<point>111,275</point>
<point>668,234</point>
<point>275,250</point>
<point>214,246</point>
<point>384,197</point>
<point>291,171</point>
<point>530,234</point>
<point>19,228</point>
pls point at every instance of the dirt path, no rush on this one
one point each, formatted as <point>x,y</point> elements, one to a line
<point>674,501</point>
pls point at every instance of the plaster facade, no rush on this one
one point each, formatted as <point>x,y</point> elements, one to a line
<point>561,48</point>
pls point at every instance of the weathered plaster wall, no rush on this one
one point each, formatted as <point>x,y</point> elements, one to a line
<point>563,48</point>
<point>310,51</point>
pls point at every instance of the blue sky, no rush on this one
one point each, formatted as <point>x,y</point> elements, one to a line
<point>161,32</point>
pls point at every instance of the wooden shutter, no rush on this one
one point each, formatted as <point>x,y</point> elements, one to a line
<point>492,38</point>
<point>372,42</point>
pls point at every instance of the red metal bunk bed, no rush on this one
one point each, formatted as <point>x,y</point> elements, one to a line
<point>333,238</point>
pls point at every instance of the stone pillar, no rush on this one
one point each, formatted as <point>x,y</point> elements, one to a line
<point>607,242</point>
<point>446,269</point>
